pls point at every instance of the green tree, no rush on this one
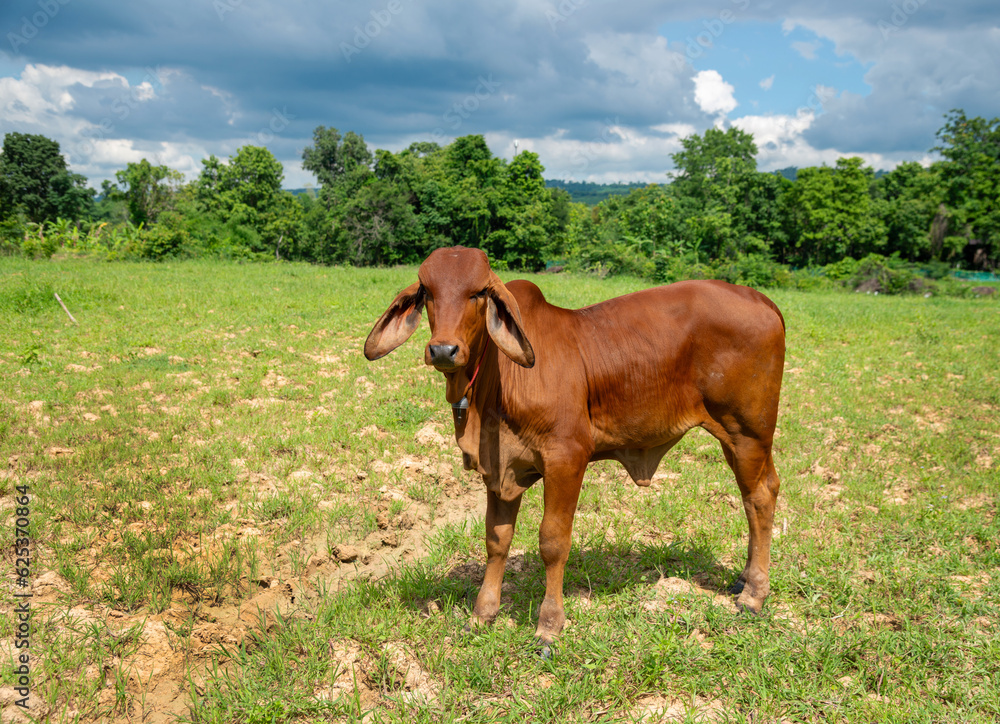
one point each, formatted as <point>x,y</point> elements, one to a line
<point>147,190</point>
<point>380,226</point>
<point>836,215</point>
<point>715,166</point>
<point>399,206</point>
<point>34,180</point>
<point>253,178</point>
<point>908,199</point>
<point>72,198</point>
<point>971,178</point>
<point>630,234</point>
<point>727,206</point>
<point>341,164</point>
<point>245,193</point>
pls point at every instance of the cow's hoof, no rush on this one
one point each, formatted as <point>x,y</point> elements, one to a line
<point>474,624</point>
<point>737,588</point>
<point>750,605</point>
<point>546,652</point>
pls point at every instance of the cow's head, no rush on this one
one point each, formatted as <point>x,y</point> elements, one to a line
<point>465,301</point>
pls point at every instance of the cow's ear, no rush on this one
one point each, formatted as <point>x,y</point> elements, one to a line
<point>397,324</point>
<point>503,322</point>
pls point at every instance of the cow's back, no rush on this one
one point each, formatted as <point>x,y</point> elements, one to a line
<point>643,367</point>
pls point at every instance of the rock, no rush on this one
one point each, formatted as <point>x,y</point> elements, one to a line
<point>346,554</point>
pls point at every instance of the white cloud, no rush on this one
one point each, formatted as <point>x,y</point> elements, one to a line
<point>781,142</point>
<point>677,129</point>
<point>617,154</point>
<point>806,49</point>
<point>767,82</point>
<point>712,94</point>
<point>43,91</point>
<point>643,61</point>
<point>91,113</point>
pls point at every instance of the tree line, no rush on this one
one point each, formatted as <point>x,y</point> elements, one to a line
<point>719,216</point>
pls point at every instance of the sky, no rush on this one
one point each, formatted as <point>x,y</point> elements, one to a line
<point>603,91</point>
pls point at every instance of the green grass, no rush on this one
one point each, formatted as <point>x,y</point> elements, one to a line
<point>210,434</point>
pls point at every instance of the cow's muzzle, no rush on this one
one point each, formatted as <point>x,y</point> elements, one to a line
<point>442,356</point>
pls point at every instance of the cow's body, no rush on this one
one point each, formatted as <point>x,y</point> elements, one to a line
<point>552,389</point>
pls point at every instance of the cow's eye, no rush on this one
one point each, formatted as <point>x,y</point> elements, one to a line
<point>479,295</point>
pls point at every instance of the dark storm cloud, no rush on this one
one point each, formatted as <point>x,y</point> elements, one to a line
<point>399,70</point>
<point>360,63</point>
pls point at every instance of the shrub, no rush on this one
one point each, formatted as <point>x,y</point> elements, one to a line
<point>11,235</point>
<point>161,241</point>
<point>678,268</point>
<point>753,270</point>
<point>37,244</point>
<point>876,273</point>
<point>841,270</point>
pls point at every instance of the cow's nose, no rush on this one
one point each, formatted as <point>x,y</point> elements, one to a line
<point>443,353</point>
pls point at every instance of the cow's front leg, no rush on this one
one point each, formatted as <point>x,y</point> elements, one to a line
<point>500,519</point>
<point>562,490</point>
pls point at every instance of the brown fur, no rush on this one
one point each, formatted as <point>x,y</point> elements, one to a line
<point>620,380</point>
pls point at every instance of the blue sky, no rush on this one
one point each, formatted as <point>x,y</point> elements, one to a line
<point>772,70</point>
<point>601,90</point>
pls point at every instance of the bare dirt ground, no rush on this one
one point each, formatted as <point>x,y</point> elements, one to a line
<point>164,653</point>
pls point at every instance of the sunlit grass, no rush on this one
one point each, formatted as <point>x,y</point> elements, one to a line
<point>210,431</point>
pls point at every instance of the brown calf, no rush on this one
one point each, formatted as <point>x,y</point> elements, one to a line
<point>539,392</point>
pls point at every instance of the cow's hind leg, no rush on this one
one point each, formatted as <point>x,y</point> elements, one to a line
<point>758,481</point>
<point>500,519</point>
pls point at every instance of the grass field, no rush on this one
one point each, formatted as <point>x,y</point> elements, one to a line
<point>234,517</point>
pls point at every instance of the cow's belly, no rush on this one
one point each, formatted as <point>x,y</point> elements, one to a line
<point>640,438</point>
<point>641,429</point>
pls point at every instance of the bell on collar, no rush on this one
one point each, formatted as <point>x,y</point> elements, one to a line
<point>460,409</point>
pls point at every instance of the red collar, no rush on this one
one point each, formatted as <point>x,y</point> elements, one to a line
<point>476,372</point>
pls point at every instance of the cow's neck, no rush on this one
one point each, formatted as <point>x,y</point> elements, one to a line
<point>480,417</point>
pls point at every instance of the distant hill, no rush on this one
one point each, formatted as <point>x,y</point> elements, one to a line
<point>592,194</point>
<point>580,191</point>
<point>792,172</point>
